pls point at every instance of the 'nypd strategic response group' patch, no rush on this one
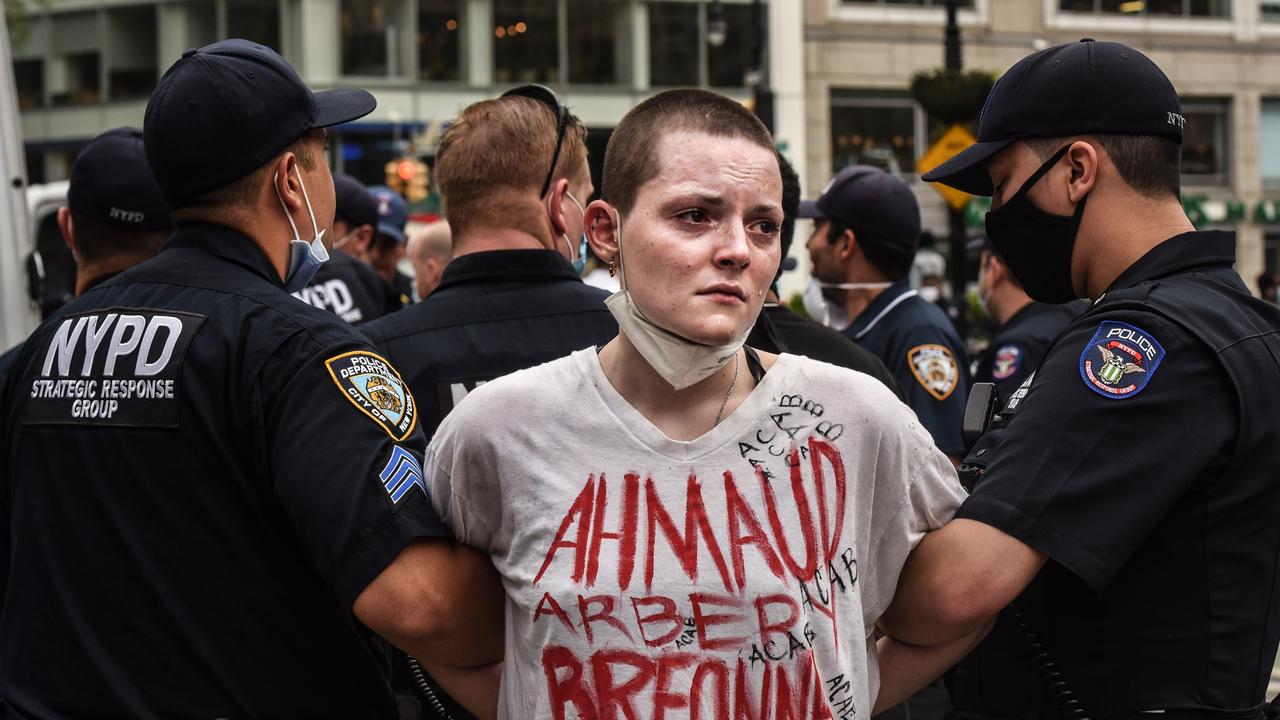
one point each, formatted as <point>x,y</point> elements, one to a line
<point>1120,360</point>
<point>935,369</point>
<point>1008,359</point>
<point>371,384</point>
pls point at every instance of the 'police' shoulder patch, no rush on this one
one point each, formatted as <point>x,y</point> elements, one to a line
<point>935,368</point>
<point>371,384</point>
<point>1008,360</point>
<point>1120,360</point>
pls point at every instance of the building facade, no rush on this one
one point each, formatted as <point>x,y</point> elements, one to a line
<point>1222,55</point>
<point>82,66</point>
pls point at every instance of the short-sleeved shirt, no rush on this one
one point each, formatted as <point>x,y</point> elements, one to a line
<point>683,578</point>
<point>493,313</point>
<point>920,347</point>
<point>1159,591</point>
<point>1017,348</point>
<point>778,330</point>
<point>349,289</point>
<point>202,474</point>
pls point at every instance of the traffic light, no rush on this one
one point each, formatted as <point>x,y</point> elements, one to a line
<point>408,176</point>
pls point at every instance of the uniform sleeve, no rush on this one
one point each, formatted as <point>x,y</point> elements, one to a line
<point>1125,413</point>
<point>345,459</point>
<point>917,491</point>
<point>933,376</point>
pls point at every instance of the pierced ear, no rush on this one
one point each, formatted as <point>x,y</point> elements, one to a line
<point>602,230</point>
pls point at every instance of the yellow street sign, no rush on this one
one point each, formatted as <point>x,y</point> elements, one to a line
<point>955,139</point>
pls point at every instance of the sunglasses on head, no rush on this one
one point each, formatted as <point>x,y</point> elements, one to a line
<point>546,96</point>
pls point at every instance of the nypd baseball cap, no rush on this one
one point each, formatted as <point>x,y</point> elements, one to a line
<point>1081,88</point>
<point>224,110</point>
<point>112,183</point>
<point>354,203</point>
<point>393,212</point>
<point>869,199</point>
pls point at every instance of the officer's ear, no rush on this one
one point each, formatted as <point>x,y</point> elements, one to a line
<point>845,245</point>
<point>602,230</point>
<point>1082,158</point>
<point>282,173</point>
<point>67,227</point>
<point>554,203</point>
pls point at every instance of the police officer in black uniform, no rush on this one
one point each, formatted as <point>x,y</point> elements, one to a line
<point>344,285</point>
<point>212,492</point>
<point>389,241</point>
<point>779,330</point>
<point>512,296</point>
<point>1024,328</point>
<point>114,217</point>
<point>1134,490</point>
<point>866,233</point>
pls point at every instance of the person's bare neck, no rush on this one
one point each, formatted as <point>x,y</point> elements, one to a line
<point>264,225</point>
<point>486,239</point>
<point>89,274</point>
<point>680,414</point>
<point>1123,230</point>
<point>857,300</point>
<point>1005,302</point>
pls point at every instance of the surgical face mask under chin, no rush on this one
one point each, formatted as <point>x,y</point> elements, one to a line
<point>930,293</point>
<point>305,257</point>
<point>679,360</point>
<point>579,261</point>
<point>824,310</point>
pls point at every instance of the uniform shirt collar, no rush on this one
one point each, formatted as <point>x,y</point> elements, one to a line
<point>874,311</point>
<point>506,264</point>
<point>1179,253</point>
<point>226,243</point>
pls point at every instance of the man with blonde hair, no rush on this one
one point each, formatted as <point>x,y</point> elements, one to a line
<point>514,178</point>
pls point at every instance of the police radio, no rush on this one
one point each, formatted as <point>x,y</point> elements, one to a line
<point>981,414</point>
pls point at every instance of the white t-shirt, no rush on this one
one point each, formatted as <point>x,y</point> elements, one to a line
<point>737,575</point>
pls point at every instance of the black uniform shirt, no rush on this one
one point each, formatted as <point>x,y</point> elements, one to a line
<point>779,330</point>
<point>920,347</point>
<point>1143,461</point>
<point>202,475</point>
<point>349,289</point>
<point>494,313</point>
<point>1017,348</point>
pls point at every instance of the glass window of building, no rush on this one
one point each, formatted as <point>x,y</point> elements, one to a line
<point>673,44</point>
<point>1205,145</point>
<point>729,47</point>
<point>875,129</point>
<point>918,3</point>
<point>599,42</point>
<point>526,42</point>
<point>132,71</point>
<point>257,20</point>
<point>371,37</point>
<point>1270,144</point>
<point>77,59</point>
<point>1162,8</point>
<point>28,75</point>
<point>440,40</point>
<point>1271,10</point>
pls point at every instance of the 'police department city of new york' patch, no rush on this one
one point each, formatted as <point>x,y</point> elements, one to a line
<point>371,384</point>
<point>1119,360</point>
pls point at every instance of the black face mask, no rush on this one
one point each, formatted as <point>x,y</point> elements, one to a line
<point>1037,245</point>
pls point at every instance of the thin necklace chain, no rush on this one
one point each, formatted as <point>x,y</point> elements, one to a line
<point>728,392</point>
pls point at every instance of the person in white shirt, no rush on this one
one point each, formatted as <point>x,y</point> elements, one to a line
<point>685,527</point>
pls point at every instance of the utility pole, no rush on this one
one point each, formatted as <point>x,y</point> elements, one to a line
<point>953,64</point>
<point>761,94</point>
